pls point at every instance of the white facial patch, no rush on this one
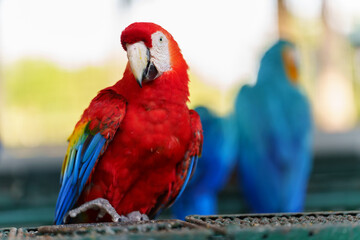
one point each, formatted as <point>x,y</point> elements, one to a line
<point>160,52</point>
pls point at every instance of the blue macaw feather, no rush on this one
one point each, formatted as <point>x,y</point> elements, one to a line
<point>274,125</point>
<point>69,168</point>
<point>92,162</point>
<point>77,164</point>
<point>68,201</point>
<point>64,194</point>
<point>81,162</point>
<point>190,170</point>
<point>90,149</point>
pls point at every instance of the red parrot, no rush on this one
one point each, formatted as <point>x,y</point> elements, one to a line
<point>136,145</point>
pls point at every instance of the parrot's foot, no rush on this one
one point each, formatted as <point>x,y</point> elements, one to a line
<point>136,216</point>
<point>100,204</point>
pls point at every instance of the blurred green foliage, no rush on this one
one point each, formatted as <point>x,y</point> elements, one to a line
<point>43,101</point>
<point>48,87</point>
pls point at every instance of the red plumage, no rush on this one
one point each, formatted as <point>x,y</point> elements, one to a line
<point>151,134</point>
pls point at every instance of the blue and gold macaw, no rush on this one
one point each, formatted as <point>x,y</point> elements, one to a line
<point>275,135</point>
<point>213,168</point>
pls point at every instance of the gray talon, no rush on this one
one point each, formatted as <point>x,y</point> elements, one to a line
<point>104,208</point>
<point>100,203</point>
<point>137,216</point>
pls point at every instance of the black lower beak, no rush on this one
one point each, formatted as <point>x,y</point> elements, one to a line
<point>150,72</point>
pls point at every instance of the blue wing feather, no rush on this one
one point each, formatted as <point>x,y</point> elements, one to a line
<point>71,163</point>
<point>80,166</point>
<point>90,155</point>
<point>92,162</point>
<point>77,164</point>
<point>90,149</point>
<point>191,167</point>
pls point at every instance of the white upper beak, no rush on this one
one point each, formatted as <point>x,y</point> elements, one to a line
<point>138,56</point>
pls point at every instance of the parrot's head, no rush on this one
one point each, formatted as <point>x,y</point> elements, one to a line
<point>280,59</point>
<point>151,51</point>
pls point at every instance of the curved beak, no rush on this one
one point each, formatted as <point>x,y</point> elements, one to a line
<point>291,65</point>
<point>139,56</point>
<point>140,64</point>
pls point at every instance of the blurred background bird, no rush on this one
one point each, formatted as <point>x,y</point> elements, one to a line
<point>213,168</point>
<point>275,135</point>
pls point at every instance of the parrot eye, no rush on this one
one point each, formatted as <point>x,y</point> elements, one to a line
<point>159,52</point>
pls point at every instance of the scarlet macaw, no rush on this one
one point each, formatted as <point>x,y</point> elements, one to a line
<point>136,145</point>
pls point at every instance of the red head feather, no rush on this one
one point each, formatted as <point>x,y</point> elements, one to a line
<point>142,31</point>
